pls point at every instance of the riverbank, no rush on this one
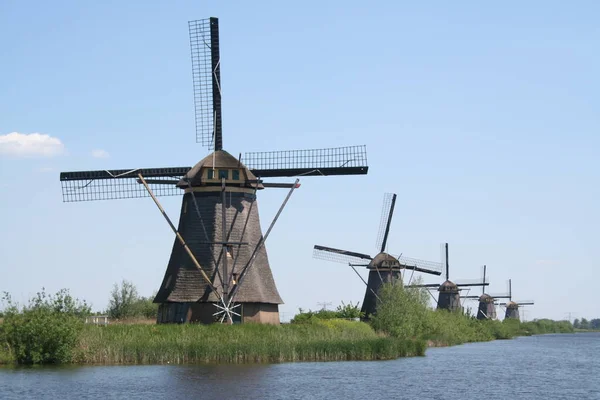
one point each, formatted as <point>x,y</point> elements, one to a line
<point>334,340</point>
<point>317,340</point>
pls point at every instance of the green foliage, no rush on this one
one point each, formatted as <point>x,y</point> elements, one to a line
<point>343,311</point>
<point>348,311</point>
<point>44,331</point>
<point>125,302</point>
<point>404,313</point>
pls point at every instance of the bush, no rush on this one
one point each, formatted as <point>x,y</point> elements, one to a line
<point>46,330</point>
<point>402,312</point>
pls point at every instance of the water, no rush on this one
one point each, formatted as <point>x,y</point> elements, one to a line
<point>538,367</point>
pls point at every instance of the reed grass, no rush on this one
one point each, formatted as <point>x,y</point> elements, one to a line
<point>332,340</point>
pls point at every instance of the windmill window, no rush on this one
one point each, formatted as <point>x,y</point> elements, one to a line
<point>223,173</point>
<point>235,175</point>
<point>210,174</point>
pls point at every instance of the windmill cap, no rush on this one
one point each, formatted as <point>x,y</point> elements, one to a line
<point>486,298</point>
<point>447,286</point>
<point>512,304</point>
<point>217,159</point>
<point>384,260</point>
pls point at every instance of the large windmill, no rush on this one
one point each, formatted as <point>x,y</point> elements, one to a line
<point>384,267</point>
<point>512,307</point>
<point>449,291</point>
<point>218,267</point>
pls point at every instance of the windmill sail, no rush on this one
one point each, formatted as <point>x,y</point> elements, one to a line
<point>119,183</point>
<point>428,267</point>
<point>206,73</point>
<point>341,256</point>
<point>350,160</point>
<point>387,211</point>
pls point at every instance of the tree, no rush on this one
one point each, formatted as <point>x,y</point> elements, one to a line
<point>584,324</point>
<point>595,324</point>
<point>122,300</point>
<point>125,302</point>
<point>576,324</point>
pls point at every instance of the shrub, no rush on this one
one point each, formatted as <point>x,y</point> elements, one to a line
<point>46,330</point>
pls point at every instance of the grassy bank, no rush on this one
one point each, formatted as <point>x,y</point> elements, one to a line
<point>333,340</point>
<point>50,330</point>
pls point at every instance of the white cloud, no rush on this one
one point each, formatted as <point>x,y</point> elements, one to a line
<point>30,145</point>
<point>98,153</point>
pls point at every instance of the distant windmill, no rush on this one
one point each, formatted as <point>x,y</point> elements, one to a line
<point>512,307</point>
<point>487,303</point>
<point>218,269</point>
<point>383,267</point>
<point>449,292</point>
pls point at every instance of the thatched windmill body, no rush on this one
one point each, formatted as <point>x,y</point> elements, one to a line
<point>384,267</point>
<point>449,291</point>
<point>218,268</point>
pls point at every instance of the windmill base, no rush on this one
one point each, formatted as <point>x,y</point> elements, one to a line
<point>261,313</point>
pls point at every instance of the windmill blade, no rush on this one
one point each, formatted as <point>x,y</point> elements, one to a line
<point>340,256</point>
<point>427,267</point>
<point>470,283</point>
<point>206,73</point>
<point>387,211</point>
<point>525,303</point>
<point>119,183</point>
<point>351,160</point>
<point>500,296</point>
<point>424,285</point>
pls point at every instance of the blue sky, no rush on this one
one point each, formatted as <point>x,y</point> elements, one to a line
<point>482,118</point>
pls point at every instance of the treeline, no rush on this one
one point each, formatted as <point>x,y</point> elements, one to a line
<point>584,324</point>
<point>405,313</point>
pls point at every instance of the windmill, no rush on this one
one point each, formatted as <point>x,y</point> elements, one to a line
<point>512,307</point>
<point>487,303</point>
<point>449,292</point>
<point>218,268</point>
<point>383,268</point>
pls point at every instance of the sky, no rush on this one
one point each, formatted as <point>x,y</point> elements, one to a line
<point>483,118</point>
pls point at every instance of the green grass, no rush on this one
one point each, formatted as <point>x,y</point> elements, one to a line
<point>333,340</point>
